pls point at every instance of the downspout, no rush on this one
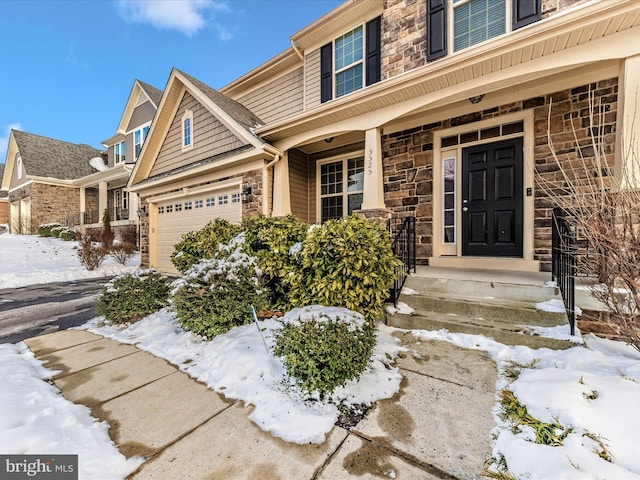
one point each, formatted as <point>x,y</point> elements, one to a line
<point>277,155</point>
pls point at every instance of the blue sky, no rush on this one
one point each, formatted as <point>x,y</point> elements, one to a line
<point>67,67</point>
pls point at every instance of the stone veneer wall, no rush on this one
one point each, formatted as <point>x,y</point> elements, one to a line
<point>250,206</point>
<point>408,157</point>
<point>4,212</point>
<point>52,203</point>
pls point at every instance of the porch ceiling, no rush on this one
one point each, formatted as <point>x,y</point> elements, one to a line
<point>463,72</point>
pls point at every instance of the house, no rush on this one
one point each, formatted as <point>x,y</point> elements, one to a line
<point>393,108</point>
<point>4,201</point>
<point>39,175</point>
<point>50,180</point>
<point>122,151</point>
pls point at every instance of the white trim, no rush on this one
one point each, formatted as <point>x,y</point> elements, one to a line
<point>19,167</point>
<point>195,191</point>
<point>22,185</point>
<point>451,7</point>
<point>188,115</point>
<point>344,158</point>
<point>116,146</point>
<point>335,72</point>
<point>140,129</point>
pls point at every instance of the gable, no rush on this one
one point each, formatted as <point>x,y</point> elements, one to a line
<point>142,114</point>
<point>210,138</point>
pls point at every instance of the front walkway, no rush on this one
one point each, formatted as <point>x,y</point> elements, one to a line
<point>437,427</point>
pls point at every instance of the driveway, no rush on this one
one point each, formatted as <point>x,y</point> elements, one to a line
<point>33,310</point>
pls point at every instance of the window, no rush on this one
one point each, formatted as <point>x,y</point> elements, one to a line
<point>211,201</point>
<point>125,199</point>
<point>187,130</point>
<point>169,208</point>
<point>449,200</point>
<point>19,166</point>
<point>188,205</point>
<point>459,24</point>
<point>335,200</point>
<point>178,207</point>
<point>351,61</point>
<point>119,152</point>
<point>223,199</point>
<point>160,210</point>
<point>198,203</point>
<point>235,198</point>
<point>475,21</point>
<point>139,137</point>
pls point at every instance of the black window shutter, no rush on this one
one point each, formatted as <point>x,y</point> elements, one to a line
<point>372,49</point>
<point>525,12</point>
<point>437,29</point>
<point>326,72</point>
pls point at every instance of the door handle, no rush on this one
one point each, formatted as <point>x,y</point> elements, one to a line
<point>465,209</point>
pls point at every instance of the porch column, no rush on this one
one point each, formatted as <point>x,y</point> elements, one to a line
<point>83,205</point>
<point>373,194</point>
<point>628,122</point>
<point>134,203</point>
<point>281,190</point>
<point>103,202</point>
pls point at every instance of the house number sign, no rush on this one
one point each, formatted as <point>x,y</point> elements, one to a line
<point>370,162</point>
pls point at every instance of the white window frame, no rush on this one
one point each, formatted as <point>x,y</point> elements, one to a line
<point>336,72</point>
<point>451,33</point>
<point>119,152</point>
<point>19,167</point>
<point>188,115</point>
<point>142,131</point>
<point>345,182</point>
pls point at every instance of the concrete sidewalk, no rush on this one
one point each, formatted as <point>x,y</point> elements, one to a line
<point>437,427</point>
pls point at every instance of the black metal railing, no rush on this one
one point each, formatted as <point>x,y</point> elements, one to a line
<point>403,231</point>
<point>564,259</point>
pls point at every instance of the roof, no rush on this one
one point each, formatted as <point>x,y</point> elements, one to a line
<point>47,157</point>
<point>3,193</point>
<point>152,92</point>
<point>241,114</point>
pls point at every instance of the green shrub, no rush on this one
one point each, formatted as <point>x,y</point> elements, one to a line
<point>107,235</point>
<point>216,294</point>
<point>322,348</point>
<point>131,296</point>
<point>202,243</point>
<point>274,242</point>
<point>346,262</point>
<point>67,234</point>
<point>44,230</point>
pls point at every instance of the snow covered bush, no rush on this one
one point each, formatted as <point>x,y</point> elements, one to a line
<point>216,294</point>
<point>346,262</point>
<point>44,230</point>
<point>202,243</point>
<point>322,348</point>
<point>131,296</point>
<point>273,242</point>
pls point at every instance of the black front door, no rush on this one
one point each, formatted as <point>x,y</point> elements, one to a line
<point>492,199</point>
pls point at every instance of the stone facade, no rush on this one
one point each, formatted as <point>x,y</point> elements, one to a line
<point>251,205</point>
<point>408,156</point>
<point>403,36</point>
<point>4,212</point>
<point>49,203</point>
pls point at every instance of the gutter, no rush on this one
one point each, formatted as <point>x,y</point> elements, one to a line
<point>277,155</point>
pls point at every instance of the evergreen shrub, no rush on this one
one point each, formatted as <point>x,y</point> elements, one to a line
<point>322,348</point>
<point>216,294</point>
<point>133,295</point>
<point>202,244</point>
<point>44,230</point>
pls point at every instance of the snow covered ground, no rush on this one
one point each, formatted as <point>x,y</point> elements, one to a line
<point>593,388</point>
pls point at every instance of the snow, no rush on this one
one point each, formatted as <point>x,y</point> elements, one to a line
<point>98,164</point>
<point>555,305</point>
<point>592,388</point>
<point>401,308</point>
<point>237,366</point>
<point>30,259</point>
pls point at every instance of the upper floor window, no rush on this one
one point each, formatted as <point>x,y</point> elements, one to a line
<point>18,166</point>
<point>454,25</point>
<point>138,140</point>
<point>119,152</point>
<point>475,21</point>
<point>187,130</point>
<point>351,61</point>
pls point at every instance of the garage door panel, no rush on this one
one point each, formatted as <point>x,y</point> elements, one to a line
<point>190,213</point>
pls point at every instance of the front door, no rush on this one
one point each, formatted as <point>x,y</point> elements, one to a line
<point>492,199</point>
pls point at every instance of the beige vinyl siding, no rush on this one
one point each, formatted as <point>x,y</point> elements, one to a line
<point>277,99</point>
<point>312,80</point>
<point>210,137</point>
<point>142,114</point>
<point>299,185</point>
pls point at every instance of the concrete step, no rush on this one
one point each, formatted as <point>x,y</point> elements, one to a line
<point>501,309</point>
<point>534,290</point>
<point>503,332</point>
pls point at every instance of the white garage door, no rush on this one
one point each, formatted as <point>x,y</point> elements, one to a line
<point>189,213</point>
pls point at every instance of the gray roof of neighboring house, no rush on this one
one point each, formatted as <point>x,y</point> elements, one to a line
<point>154,94</point>
<point>236,110</point>
<point>47,157</point>
<point>3,193</point>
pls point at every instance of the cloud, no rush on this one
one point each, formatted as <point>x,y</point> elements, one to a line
<point>4,139</point>
<point>185,16</point>
<point>72,59</point>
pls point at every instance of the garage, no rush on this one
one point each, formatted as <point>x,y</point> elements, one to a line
<point>191,212</point>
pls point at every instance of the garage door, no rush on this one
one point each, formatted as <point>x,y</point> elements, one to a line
<point>189,213</point>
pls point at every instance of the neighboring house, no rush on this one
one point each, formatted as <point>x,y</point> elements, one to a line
<point>123,150</point>
<point>429,108</point>
<point>39,175</point>
<point>4,201</point>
